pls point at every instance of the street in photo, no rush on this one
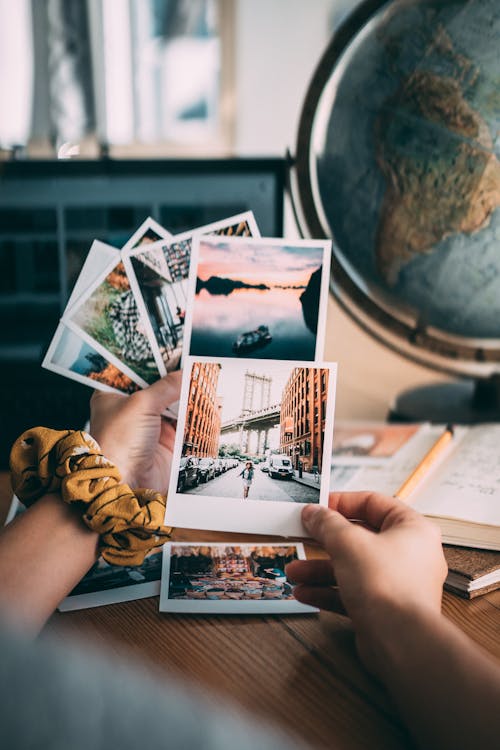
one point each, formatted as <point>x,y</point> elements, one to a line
<point>252,431</point>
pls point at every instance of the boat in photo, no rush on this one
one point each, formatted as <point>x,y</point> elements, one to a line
<point>252,340</point>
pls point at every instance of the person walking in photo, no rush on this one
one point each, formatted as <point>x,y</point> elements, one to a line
<point>247,475</point>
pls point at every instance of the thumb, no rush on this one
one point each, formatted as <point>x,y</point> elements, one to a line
<point>163,392</point>
<point>326,526</point>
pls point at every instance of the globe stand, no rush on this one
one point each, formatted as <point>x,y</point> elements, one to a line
<point>462,402</point>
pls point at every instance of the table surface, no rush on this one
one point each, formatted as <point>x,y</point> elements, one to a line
<point>300,671</point>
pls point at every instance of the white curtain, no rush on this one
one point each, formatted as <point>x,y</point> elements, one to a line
<point>16,73</point>
<point>116,72</point>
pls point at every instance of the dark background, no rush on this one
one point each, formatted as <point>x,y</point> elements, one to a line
<point>50,212</point>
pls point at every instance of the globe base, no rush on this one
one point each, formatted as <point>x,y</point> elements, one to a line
<point>461,402</point>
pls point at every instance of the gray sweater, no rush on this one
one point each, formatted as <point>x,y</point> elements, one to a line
<point>55,697</point>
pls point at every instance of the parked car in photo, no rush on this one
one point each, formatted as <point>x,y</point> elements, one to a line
<point>280,467</point>
<point>189,475</point>
<point>206,468</point>
<point>264,466</point>
<point>218,466</point>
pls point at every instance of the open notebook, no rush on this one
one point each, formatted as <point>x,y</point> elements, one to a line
<point>461,491</point>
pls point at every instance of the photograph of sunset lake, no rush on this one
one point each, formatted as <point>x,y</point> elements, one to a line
<point>257,297</point>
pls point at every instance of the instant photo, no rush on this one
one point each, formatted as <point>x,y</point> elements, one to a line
<point>229,579</point>
<point>69,355</point>
<point>260,298</point>
<point>106,315</point>
<point>253,444</point>
<point>112,584</point>
<point>74,358</point>
<point>159,281</point>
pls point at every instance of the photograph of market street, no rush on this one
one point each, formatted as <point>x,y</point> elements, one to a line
<point>254,430</point>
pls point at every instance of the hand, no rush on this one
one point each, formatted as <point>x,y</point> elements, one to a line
<point>133,434</point>
<point>372,577</point>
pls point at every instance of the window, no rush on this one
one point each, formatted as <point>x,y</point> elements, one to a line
<point>147,76</point>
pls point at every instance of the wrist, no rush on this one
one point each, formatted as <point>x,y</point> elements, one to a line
<point>70,463</point>
<point>398,634</point>
<point>67,523</point>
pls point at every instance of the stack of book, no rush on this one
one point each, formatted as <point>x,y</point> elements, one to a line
<point>471,572</point>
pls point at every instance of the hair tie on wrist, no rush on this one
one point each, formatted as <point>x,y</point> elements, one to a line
<point>129,523</point>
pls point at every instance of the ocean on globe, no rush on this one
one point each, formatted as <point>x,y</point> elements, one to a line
<point>406,145</point>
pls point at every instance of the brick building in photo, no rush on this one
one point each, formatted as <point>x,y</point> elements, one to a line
<point>203,414</point>
<point>302,418</point>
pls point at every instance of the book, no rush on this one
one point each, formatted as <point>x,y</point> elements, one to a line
<point>471,572</point>
<point>460,491</point>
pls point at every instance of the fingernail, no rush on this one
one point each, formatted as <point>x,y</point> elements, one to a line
<point>308,514</point>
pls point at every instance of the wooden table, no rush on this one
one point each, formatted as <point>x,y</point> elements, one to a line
<point>299,671</point>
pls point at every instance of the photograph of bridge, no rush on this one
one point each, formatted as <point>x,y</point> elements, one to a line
<point>253,430</point>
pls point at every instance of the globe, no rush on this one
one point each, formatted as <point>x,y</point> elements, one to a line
<point>398,161</point>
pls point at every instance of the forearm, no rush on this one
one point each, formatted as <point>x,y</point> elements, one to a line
<point>43,555</point>
<point>445,686</point>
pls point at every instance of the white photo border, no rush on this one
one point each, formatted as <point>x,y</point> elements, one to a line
<point>110,596</point>
<point>278,518</point>
<point>147,224</point>
<point>98,257</point>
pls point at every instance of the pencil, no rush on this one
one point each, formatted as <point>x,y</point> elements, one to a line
<point>420,471</point>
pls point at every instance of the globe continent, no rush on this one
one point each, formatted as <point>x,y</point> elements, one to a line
<point>408,165</point>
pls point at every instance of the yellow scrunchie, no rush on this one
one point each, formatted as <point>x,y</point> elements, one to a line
<point>129,524</point>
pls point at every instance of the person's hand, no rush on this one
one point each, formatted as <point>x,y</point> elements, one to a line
<point>390,565</point>
<point>133,434</point>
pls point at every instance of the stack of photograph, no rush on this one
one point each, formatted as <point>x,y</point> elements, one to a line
<point>244,318</point>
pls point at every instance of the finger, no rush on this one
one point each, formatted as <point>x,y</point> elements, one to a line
<point>315,572</point>
<point>100,398</point>
<point>328,527</point>
<point>167,434</point>
<point>164,392</point>
<point>370,507</point>
<point>323,597</point>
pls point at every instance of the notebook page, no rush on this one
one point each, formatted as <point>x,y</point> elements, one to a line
<point>387,479</point>
<point>466,485</point>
